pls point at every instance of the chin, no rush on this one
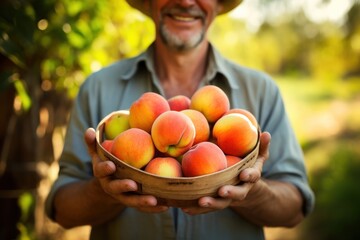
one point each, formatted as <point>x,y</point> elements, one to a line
<point>178,43</point>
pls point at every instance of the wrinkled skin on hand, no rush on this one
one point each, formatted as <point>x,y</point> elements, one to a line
<point>121,191</point>
<point>233,196</point>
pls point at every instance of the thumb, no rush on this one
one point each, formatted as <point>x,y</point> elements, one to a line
<point>90,139</point>
<point>265,139</point>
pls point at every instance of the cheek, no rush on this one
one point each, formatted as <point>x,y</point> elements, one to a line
<point>212,8</point>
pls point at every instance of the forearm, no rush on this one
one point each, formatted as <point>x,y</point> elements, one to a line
<point>272,203</point>
<point>84,203</point>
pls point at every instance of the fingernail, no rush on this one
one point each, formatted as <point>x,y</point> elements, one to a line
<point>249,177</point>
<point>245,177</point>
<point>225,194</point>
<point>131,188</point>
<point>205,204</point>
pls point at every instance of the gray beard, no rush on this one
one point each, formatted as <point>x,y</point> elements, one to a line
<point>179,44</point>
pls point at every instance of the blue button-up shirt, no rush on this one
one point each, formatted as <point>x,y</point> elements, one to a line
<point>119,85</point>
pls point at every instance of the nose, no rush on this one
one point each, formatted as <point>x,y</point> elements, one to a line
<point>186,3</point>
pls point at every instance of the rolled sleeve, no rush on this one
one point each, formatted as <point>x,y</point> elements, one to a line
<point>286,160</point>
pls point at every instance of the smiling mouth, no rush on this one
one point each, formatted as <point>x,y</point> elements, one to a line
<point>179,13</point>
<point>184,19</point>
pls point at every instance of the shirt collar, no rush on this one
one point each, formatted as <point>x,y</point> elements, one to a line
<point>220,65</point>
<point>217,65</point>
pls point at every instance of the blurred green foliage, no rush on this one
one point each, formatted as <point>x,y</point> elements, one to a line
<point>337,211</point>
<point>291,44</point>
<point>326,120</point>
<point>26,225</point>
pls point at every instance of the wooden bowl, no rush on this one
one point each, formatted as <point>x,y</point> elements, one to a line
<point>176,192</point>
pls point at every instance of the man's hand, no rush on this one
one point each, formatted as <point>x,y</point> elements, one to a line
<point>235,195</point>
<point>121,191</point>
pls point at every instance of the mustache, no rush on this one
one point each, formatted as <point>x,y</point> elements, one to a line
<point>178,10</point>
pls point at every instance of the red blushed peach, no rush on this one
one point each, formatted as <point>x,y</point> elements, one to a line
<point>134,147</point>
<point>235,134</point>
<point>165,167</point>
<point>210,101</point>
<point>179,103</point>
<point>232,160</point>
<point>107,144</point>
<point>245,112</point>
<point>202,128</point>
<point>203,158</point>
<point>146,109</point>
<point>173,133</point>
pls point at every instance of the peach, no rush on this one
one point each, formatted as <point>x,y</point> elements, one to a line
<point>235,134</point>
<point>247,113</point>
<point>173,133</point>
<point>202,128</point>
<point>179,102</point>
<point>203,158</point>
<point>232,160</point>
<point>165,167</point>
<point>107,144</point>
<point>134,147</point>
<point>146,109</point>
<point>210,101</point>
<point>116,124</point>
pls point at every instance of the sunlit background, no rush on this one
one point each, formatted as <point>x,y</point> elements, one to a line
<point>310,47</point>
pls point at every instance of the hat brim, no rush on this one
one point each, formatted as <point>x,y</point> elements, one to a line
<point>228,5</point>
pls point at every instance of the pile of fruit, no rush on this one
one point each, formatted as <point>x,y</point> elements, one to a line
<point>179,136</point>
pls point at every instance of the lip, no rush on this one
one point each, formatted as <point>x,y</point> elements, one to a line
<point>184,15</point>
<point>184,18</point>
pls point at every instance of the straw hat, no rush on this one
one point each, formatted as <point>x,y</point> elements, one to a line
<point>228,5</point>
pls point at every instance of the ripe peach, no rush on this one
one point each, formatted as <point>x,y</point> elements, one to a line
<point>235,134</point>
<point>247,113</point>
<point>134,147</point>
<point>107,144</point>
<point>211,101</point>
<point>232,160</point>
<point>202,128</point>
<point>179,102</point>
<point>146,109</point>
<point>116,124</point>
<point>173,133</point>
<point>203,158</point>
<point>164,166</point>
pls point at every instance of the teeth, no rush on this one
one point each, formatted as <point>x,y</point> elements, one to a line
<point>185,19</point>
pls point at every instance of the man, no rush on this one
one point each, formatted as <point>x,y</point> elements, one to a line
<point>179,62</point>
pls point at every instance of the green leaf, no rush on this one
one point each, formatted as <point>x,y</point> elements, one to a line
<point>22,93</point>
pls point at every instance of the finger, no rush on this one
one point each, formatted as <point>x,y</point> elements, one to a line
<point>214,203</point>
<point>119,186</point>
<point>90,139</point>
<point>139,201</point>
<point>265,139</point>
<point>253,174</point>
<point>207,204</point>
<point>102,169</point>
<point>236,193</point>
